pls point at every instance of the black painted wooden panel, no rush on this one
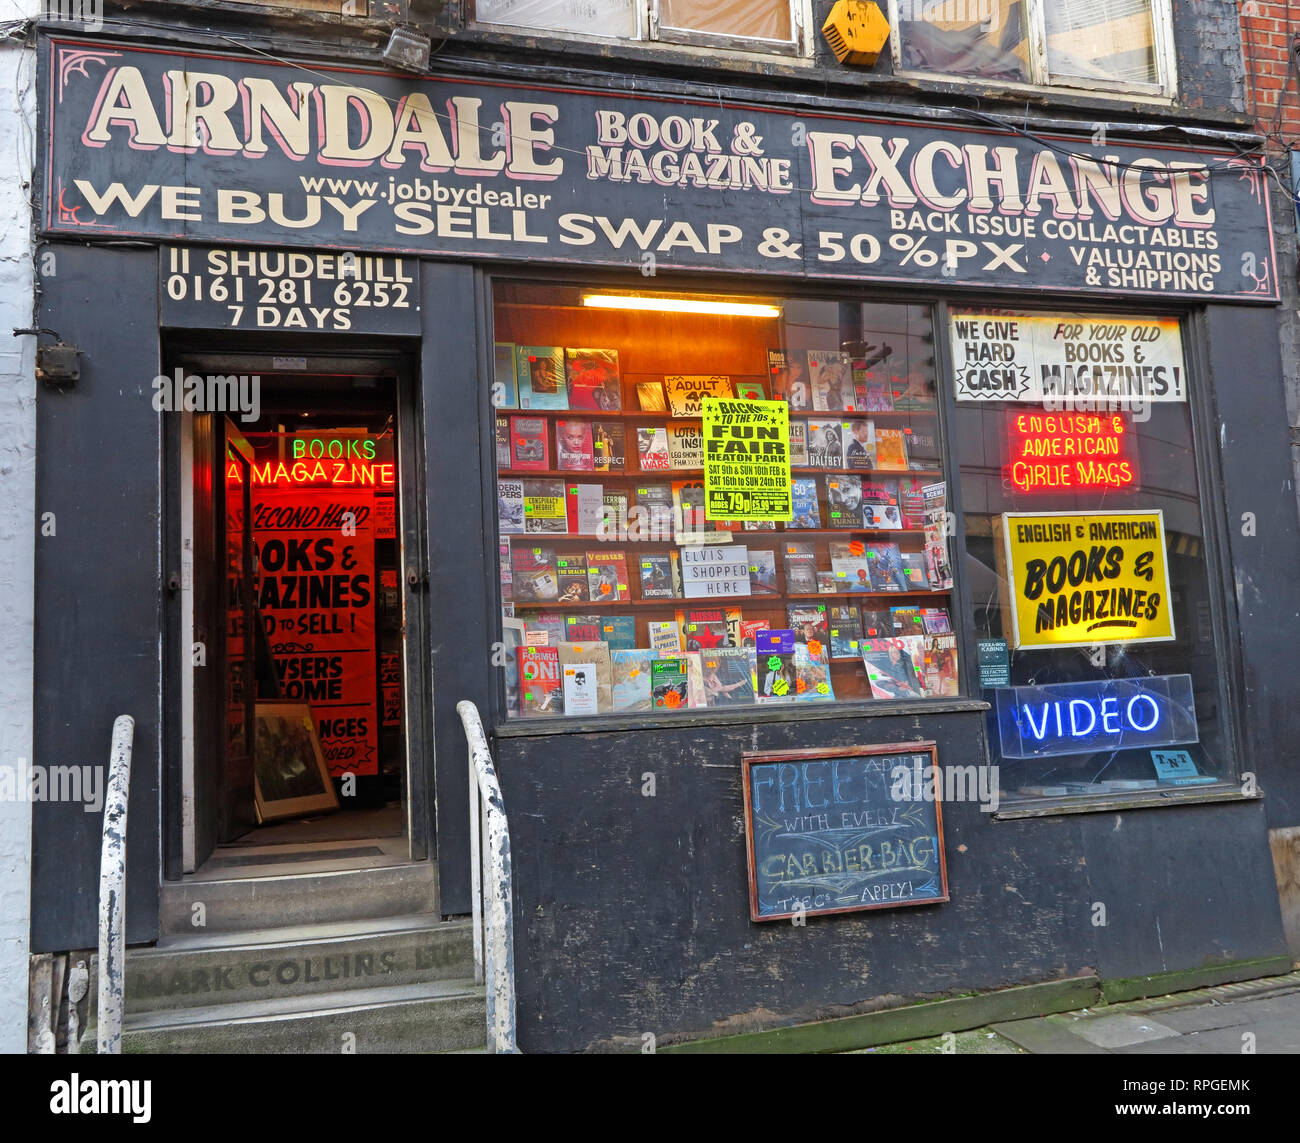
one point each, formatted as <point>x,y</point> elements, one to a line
<point>98,585</point>
<point>632,915</point>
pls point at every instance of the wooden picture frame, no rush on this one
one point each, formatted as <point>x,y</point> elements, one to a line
<point>830,855</point>
<point>290,777</point>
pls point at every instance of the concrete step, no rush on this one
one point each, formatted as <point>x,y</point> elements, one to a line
<point>242,904</point>
<point>230,968</point>
<point>439,1016</point>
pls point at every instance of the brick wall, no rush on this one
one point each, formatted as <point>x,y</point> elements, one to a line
<point>1267,32</point>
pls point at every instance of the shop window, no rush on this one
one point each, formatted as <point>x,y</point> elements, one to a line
<point>717,502</point>
<point>1086,557</point>
<point>1117,44</point>
<point>764,25</point>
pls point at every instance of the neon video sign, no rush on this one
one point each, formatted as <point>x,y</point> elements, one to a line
<point>1105,714</point>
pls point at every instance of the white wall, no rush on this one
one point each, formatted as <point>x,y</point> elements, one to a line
<point>17,514</point>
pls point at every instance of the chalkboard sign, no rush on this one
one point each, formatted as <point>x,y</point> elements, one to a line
<point>837,831</point>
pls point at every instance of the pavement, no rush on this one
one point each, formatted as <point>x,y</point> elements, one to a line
<point>1260,1016</point>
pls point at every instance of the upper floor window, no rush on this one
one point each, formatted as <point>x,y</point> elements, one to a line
<point>752,25</point>
<point>1116,45</point>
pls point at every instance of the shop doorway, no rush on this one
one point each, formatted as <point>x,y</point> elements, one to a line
<point>303,721</point>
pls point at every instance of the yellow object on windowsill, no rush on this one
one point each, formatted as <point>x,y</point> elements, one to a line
<point>856,32</point>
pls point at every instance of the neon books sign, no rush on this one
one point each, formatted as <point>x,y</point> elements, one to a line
<point>1105,714</point>
<point>1071,452</point>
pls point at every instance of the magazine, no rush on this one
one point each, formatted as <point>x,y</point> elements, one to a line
<point>844,501</point>
<point>571,575</point>
<point>860,449</point>
<point>593,380</point>
<point>545,509</point>
<point>845,624</point>
<point>774,670</point>
<point>936,536</point>
<point>539,681</point>
<point>533,573</point>
<point>505,379</point>
<point>800,569</point>
<point>762,571</point>
<point>830,375</point>
<point>826,444</point>
<point>891,450</point>
<point>510,506</point>
<point>886,568</point>
<point>812,674</point>
<point>652,448</point>
<point>607,447</point>
<point>728,676</point>
<point>530,443</point>
<point>574,450</point>
<point>939,670</point>
<point>540,369</point>
<point>892,667</point>
<point>798,444</point>
<point>630,669</point>
<point>803,495</point>
<point>880,508</point>
<point>607,576</point>
<point>669,683</point>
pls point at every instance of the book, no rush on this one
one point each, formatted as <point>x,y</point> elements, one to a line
<point>860,446</point>
<point>686,393</point>
<point>614,512</point>
<point>891,450</point>
<point>800,562</point>
<point>571,576</point>
<point>906,620</point>
<point>798,444</point>
<point>923,447</point>
<point>530,443</point>
<point>696,698</point>
<point>650,396</point>
<point>630,672</point>
<point>913,394</point>
<point>803,496</point>
<point>582,628</point>
<point>877,624</point>
<point>826,444</point>
<point>916,569</point>
<point>574,449</point>
<point>750,391</point>
<point>788,369</point>
<point>936,536</point>
<point>512,638</point>
<point>728,676</point>
<point>774,671</point>
<point>844,623</point>
<point>871,392</point>
<point>651,517</point>
<point>507,569</point>
<point>705,629</point>
<point>652,448</point>
<point>540,370</point>
<point>656,576</point>
<point>891,666</point>
<point>844,501</point>
<point>686,446</point>
<point>545,509</point>
<point>545,629</point>
<point>510,505</point>
<point>880,510</point>
<point>607,578</point>
<point>809,622</point>
<point>580,691</point>
<point>533,573</point>
<point>886,567</point>
<point>852,573</point>
<point>664,636</point>
<point>505,377</point>
<point>503,442</point>
<point>911,502</point>
<point>830,374</point>
<point>594,380</point>
<point>669,683</point>
<point>749,629</point>
<point>936,621</point>
<point>608,447</point>
<point>826,584</point>
<point>594,654</point>
<point>539,681</point>
<point>939,665</point>
<point>584,507</point>
<point>812,674</point>
<point>762,571</point>
<point>619,631</point>
<point>688,511</point>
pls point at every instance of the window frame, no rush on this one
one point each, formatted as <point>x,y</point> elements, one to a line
<point>650,31</point>
<point>1041,79</point>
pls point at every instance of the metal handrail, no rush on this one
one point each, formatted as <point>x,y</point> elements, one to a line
<point>493,909</point>
<point>112,892</point>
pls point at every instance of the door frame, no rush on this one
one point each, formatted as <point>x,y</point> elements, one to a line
<point>208,355</point>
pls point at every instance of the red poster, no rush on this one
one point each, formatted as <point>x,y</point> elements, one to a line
<point>316,596</point>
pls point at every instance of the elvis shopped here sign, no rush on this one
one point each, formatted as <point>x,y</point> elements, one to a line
<point>143,142</point>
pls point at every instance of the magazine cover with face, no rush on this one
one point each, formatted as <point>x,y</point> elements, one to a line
<point>893,666</point>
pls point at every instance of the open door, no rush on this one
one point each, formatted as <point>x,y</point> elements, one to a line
<point>224,637</point>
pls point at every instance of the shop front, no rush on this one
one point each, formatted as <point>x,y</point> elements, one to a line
<point>852,531</point>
